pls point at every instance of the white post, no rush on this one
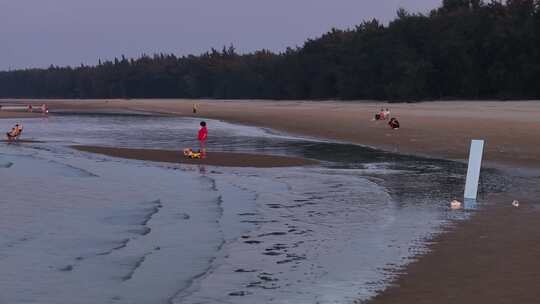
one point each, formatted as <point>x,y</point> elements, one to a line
<point>473,171</point>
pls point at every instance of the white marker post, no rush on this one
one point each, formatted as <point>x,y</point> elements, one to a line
<point>473,171</point>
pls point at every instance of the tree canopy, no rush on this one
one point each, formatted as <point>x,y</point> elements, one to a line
<point>464,49</point>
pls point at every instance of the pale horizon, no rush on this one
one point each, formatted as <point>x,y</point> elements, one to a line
<point>64,32</point>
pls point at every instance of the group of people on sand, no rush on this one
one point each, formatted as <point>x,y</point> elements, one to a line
<point>44,108</point>
<point>15,133</point>
<point>384,114</point>
<point>30,109</point>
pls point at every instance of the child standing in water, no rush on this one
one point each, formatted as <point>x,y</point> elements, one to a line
<point>203,135</point>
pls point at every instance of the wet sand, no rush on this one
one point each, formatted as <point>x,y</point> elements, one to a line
<point>493,258</point>
<point>222,159</point>
<point>20,141</point>
<point>437,129</point>
<point>7,114</point>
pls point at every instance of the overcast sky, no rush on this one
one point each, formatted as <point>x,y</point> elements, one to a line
<point>37,33</point>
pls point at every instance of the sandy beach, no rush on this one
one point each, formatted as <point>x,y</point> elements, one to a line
<point>6,114</point>
<point>491,258</point>
<point>222,159</point>
<point>437,129</point>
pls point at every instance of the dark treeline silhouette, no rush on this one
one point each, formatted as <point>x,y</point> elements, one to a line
<point>464,49</point>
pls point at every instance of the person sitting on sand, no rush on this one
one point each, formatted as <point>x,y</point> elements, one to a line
<point>393,123</point>
<point>19,130</point>
<point>14,133</point>
<point>381,115</point>
<point>386,114</point>
<point>203,136</point>
<point>11,135</point>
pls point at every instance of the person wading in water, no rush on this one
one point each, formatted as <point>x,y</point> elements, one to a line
<point>203,136</point>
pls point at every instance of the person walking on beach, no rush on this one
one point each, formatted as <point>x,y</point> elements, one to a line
<point>194,108</point>
<point>202,136</point>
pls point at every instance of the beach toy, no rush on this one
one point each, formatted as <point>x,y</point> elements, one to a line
<point>455,204</point>
<point>191,154</point>
<point>515,203</point>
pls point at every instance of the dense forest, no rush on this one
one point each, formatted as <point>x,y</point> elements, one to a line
<point>467,49</point>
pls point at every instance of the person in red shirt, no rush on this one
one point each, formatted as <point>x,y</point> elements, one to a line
<point>203,135</point>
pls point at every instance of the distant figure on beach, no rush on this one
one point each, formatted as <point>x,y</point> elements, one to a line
<point>44,109</point>
<point>382,114</point>
<point>11,135</point>
<point>394,123</point>
<point>203,136</point>
<point>386,114</point>
<point>378,115</point>
<point>29,108</point>
<point>15,133</point>
<point>194,108</point>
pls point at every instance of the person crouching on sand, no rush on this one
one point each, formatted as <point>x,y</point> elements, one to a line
<point>202,136</point>
<point>14,133</point>
<point>394,123</point>
<point>11,135</point>
<point>19,128</point>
